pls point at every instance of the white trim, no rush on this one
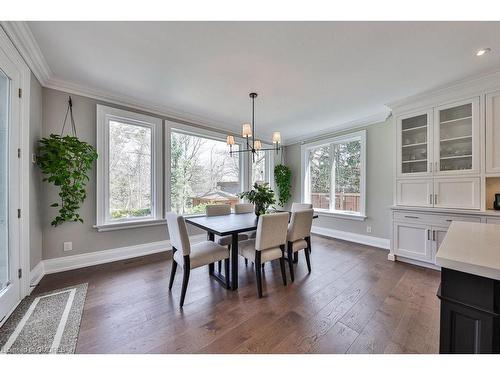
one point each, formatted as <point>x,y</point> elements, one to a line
<point>304,171</point>
<point>341,215</point>
<point>463,88</point>
<point>415,262</point>
<point>347,126</point>
<point>36,275</point>
<point>383,243</point>
<point>130,225</point>
<point>25,161</point>
<point>22,37</point>
<point>104,115</point>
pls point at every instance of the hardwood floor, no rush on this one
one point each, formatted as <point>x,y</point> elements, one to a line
<point>354,301</point>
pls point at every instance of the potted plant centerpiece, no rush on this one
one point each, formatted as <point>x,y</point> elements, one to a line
<point>262,196</point>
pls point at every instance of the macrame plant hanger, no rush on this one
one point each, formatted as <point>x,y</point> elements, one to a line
<point>72,120</point>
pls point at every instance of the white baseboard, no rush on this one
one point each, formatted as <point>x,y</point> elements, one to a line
<point>36,275</point>
<point>417,262</point>
<point>382,243</point>
<point>72,262</point>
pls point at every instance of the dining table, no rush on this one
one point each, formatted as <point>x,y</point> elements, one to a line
<point>227,225</point>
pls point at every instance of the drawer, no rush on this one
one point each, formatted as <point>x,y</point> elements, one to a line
<point>433,219</point>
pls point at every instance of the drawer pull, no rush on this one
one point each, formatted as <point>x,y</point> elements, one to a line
<point>428,234</point>
<point>412,217</point>
<point>449,220</point>
<point>434,235</point>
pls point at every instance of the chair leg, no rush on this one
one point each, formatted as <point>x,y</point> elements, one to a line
<point>258,273</point>
<point>308,260</point>
<point>185,279</point>
<point>246,262</point>
<point>308,240</point>
<point>282,265</point>
<point>220,266</point>
<point>295,258</point>
<point>172,274</point>
<point>290,261</point>
<point>226,273</point>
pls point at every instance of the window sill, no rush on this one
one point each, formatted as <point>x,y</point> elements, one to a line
<point>130,225</point>
<point>341,215</point>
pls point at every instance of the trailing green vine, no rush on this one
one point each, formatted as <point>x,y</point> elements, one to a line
<point>65,162</point>
<point>283,179</point>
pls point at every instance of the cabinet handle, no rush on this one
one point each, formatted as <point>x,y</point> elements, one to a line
<point>428,234</point>
<point>434,235</point>
<point>436,166</point>
<point>411,217</point>
<point>449,220</point>
<point>430,199</point>
<point>435,198</point>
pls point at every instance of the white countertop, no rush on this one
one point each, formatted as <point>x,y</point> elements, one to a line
<point>472,248</point>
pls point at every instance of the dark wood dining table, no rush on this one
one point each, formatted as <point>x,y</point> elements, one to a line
<point>227,225</point>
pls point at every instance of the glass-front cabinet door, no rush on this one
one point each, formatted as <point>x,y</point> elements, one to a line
<point>414,150</point>
<point>456,138</point>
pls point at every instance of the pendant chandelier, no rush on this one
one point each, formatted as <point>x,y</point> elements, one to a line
<point>248,131</point>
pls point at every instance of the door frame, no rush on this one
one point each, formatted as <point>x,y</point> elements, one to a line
<point>25,161</point>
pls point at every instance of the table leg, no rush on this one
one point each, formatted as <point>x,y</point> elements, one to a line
<point>211,266</point>
<point>234,262</point>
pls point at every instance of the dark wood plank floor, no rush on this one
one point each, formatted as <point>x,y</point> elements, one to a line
<point>354,301</point>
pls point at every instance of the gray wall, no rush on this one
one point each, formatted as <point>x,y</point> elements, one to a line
<point>379,183</point>
<point>84,237</point>
<point>35,184</point>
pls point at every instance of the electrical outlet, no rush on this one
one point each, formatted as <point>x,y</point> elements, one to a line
<point>368,229</point>
<point>68,246</point>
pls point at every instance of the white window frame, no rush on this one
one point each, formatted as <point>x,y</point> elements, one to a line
<point>305,193</point>
<point>269,166</point>
<point>202,133</point>
<point>106,114</point>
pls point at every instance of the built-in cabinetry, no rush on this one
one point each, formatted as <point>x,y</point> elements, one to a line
<point>447,146</point>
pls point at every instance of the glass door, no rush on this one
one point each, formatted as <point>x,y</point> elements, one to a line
<point>456,138</point>
<point>414,145</point>
<point>9,187</point>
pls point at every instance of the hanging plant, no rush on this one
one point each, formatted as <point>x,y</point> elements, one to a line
<point>283,179</point>
<point>65,161</point>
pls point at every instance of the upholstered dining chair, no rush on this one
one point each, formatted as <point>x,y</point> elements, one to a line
<point>299,237</point>
<point>268,245</point>
<point>243,208</point>
<point>191,256</point>
<point>301,206</point>
<point>219,210</point>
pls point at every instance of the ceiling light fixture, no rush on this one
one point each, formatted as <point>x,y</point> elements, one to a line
<point>483,51</point>
<point>248,130</point>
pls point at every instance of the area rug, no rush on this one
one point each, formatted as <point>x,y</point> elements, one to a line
<point>45,323</point>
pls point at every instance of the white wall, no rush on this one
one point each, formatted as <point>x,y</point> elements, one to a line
<point>379,183</point>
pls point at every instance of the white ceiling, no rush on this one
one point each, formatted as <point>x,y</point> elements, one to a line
<point>312,77</point>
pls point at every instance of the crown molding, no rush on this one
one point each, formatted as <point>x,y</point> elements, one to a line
<point>457,90</point>
<point>129,102</point>
<point>350,125</point>
<point>21,36</point>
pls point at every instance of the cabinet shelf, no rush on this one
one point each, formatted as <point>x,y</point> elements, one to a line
<point>415,144</point>
<point>415,128</point>
<point>414,161</point>
<point>456,138</point>
<point>455,157</point>
<point>455,120</point>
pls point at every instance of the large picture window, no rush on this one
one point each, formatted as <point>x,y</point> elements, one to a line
<point>129,174</point>
<point>262,168</point>
<point>202,172</point>
<point>334,175</point>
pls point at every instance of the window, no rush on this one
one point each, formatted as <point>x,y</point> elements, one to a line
<point>262,168</point>
<point>129,173</point>
<point>202,172</point>
<point>334,175</point>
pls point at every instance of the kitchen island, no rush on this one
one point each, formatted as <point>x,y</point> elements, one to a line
<point>469,257</point>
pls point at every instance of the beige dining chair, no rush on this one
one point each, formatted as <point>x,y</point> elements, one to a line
<point>268,245</point>
<point>299,237</point>
<point>219,210</point>
<point>245,208</point>
<point>301,206</point>
<point>191,256</point>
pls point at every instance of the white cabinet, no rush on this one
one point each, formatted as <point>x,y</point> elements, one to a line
<point>414,144</point>
<point>456,138</point>
<point>413,241</point>
<point>438,156</point>
<point>437,237</point>
<point>493,132</point>
<point>414,192</point>
<point>457,193</point>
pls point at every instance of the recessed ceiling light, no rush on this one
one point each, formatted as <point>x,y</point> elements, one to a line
<point>483,51</point>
